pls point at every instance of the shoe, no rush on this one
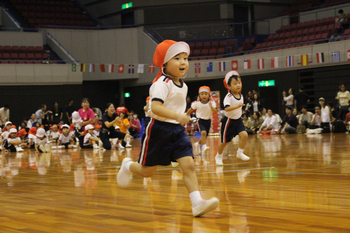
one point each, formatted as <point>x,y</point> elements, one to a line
<point>205,149</point>
<point>128,145</point>
<point>95,146</point>
<point>123,177</point>
<point>120,146</point>
<point>196,148</point>
<point>53,147</point>
<point>42,148</point>
<point>19,149</point>
<point>218,160</point>
<point>205,206</point>
<point>174,164</point>
<point>243,157</point>
<point>47,148</point>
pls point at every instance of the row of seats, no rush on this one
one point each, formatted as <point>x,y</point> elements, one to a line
<point>21,49</point>
<point>36,23</point>
<point>45,15</point>
<point>48,9</point>
<point>24,62</point>
<point>43,2</point>
<point>305,5</point>
<point>24,56</point>
<point>212,44</point>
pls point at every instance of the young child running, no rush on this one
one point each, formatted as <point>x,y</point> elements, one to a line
<point>165,139</point>
<point>232,123</point>
<point>205,107</point>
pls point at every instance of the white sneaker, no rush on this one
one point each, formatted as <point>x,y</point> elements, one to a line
<point>205,149</point>
<point>120,146</point>
<point>42,148</point>
<point>218,160</point>
<point>205,206</point>
<point>123,177</point>
<point>196,148</point>
<point>19,149</point>
<point>128,145</point>
<point>242,156</point>
<point>174,164</point>
<point>95,146</point>
<point>47,148</point>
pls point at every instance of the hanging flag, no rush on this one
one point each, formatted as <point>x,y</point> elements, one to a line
<point>74,67</point>
<point>92,68</point>
<point>102,67</point>
<point>151,68</point>
<point>140,68</point>
<point>110,68</point>
<point>335,56</point>
<point>121,68</point>
<point>246,64</point>
<point>261,64</point>
<point>348,55</point>
<point>197,68</point>
<point>274,62</point>
<point>234,65</point>
<point>222,66</point>
<point>304,60</point>
<point>82,67</point>
<point>320,57</point>
<point>290,61</point>
<point>209,66</point>
<point>131,69</point>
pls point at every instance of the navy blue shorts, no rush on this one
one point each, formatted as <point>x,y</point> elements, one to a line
<point>163,143</point>
<point>230,128</point>
<point>204,125</point>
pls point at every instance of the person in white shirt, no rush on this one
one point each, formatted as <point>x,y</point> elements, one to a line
<point>4,114</point>
<point>290,98</point>
<point>316,119</point>
<point>66,139</point>
<point>41,143</point>
<point>324,110</point>
<point>204,107</point>
<point>31,121</point>
<point>270,122</point>
<point>90,139</point>
<point>13,143</point>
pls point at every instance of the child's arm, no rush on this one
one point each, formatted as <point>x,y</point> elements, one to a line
<point>94,139</point>
<point>146,107</point>
<point>189,111</point>
<point>212,108</point>
<point>15,142</point>
<point>231,108</point>
<point>158,109</point>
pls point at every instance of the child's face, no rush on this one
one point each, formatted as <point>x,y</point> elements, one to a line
<point>177,66</point>
<point>8,127</point>
<point>54,129</point>
<point>90,131</point>
<point>13,135</point>
<point>65,130</point>
<point>235,85</point>
<point>204,96</point>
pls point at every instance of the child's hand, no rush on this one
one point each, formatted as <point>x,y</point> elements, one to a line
<point>183,119</point>
<point>240,104</point>
<point>210,105</point>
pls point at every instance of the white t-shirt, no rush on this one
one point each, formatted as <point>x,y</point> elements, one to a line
<point>87,137</point>
<point>4,115</point>
<point>325,114</point>
<point>203,109</point>
<point>12,139</point>
<point>5,134</point>
<point>317,120</point>
<point>171,95</point>
<point>289,99</point>
<point>344,98</point>
<point>231,100</point>
<point>65,139</point>
<point>39,141</point>
<point>271,121</point>
<point>55,134</point>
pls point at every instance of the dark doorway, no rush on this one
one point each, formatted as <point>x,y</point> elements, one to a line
<point>128,18</point>
<point>269,98</point>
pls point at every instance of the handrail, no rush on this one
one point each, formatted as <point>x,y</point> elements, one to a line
<point>62,47</point>
<point>11,17</point>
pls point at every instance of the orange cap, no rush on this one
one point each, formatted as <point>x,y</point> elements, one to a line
<point>32,131</point>
<point>148,98</point>
<point>204,89</point>
<point>97,126</point>
<point>22,132</point>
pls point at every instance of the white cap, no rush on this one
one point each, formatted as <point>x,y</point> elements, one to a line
<point>8,122</point>
<point>117,127</point>
<point>229,75</point>
<point>89,127</point>
<point>40,132</point>
<point>13,130</point>
<point>65,126</point>
<point>75,117</point>
<point>175,49</point>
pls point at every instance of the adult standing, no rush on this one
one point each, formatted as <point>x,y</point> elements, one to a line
<point>69,109</point>
<point>301,99</point>
<point>57,113</point>
<point>343,97</point>
<point>41,115</point>
<point>108,131</point>
<point>4,114</point>
<point>87,115</point>
<point>289,99</point>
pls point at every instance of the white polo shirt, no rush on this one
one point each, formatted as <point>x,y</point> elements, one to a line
<point>231,100</point>
<point>203,109</point>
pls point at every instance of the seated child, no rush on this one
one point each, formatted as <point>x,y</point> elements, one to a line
<point>90,139</point>
<point>41,143</point>
<point>22,134</point>
<point>54,134</point>
<point>13,143</point>
<point>31,137</point>
<point>97,130</point>
<point>66,139</point>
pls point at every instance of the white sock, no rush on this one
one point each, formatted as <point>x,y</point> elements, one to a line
<point>196,198</point>
<point>204,145</point>
<point>196,143</point>
<point>127,140</point>
<point>240,151</point>
<point>218,154</point>
<point>127,165</point>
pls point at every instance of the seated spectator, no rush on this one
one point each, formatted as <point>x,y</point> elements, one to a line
<point>135,127</point>
<point>41,143</point>
<point>13,143</point>
<point>316,119</point>
<point>289,123</point>
<point>343,19</point>
<point>66,139</point>
<point>305,117</point>
<point>31,121</point>
<point>257,121</point>
<point>270,122</point>
<point>54,134</point>
<point>123,123</point>
<point>324,110</point>
<point>247,123</point>
<point>335,37</point>
<point>23,135</point>
<point>90,139</point>
<point>263,113</point>
<point>343,97</point>
<point>97,130</point>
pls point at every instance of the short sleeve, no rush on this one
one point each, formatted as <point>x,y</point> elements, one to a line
<point>159,90</point>
<point>91,114</point>
<point>227,101</point>
<point>194,105</point>
<point>213,104</point>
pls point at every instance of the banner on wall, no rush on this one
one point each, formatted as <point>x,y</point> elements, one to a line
<point>215,121</point>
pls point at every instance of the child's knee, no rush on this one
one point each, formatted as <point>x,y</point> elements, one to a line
<point>243,134</point>
<point>203,133</point>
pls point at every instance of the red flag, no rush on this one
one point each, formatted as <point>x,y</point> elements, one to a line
<point>110,68</point>
<point>151,68</point>
<point>102,67</point>
<point>121,68</point>
<point>197,68</point>
<point>261,64</point>
<point>348,55</point>
<point>234,65</point>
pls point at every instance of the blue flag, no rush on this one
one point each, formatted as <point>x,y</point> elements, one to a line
<point>335,56</point>
<point>209,66</point>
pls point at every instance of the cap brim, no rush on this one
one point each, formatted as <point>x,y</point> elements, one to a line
<point>175,49</point>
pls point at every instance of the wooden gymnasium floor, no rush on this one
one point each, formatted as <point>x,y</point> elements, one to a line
<point>293,183</point>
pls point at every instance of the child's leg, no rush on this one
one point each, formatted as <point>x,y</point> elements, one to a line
<point>199,205</point>
<point>244,137</point>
